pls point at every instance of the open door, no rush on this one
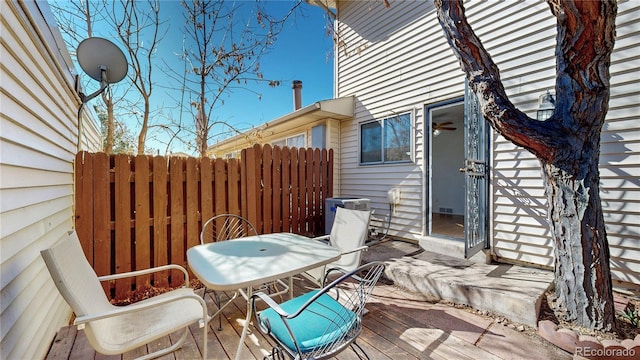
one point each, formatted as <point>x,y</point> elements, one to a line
<point>446,200</point>
<point>476,170</point>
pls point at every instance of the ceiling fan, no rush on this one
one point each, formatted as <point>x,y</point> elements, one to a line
<point>437,128</point>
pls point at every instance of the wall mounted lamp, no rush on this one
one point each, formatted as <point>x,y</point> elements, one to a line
<point>547,106</point>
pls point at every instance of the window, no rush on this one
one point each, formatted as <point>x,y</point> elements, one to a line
<point>232,155</point>
<point>319,136</point>
<point>386,140</point>
<point>298,141</point>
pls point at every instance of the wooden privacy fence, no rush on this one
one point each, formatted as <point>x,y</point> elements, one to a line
<point>136,212</point>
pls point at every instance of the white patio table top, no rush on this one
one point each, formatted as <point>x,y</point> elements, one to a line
<point>251,261</point>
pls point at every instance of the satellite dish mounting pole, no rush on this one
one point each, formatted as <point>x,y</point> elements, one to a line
<point>103,85</point>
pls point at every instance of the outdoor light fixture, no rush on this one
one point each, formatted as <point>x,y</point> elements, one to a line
<point>547,105</point>
<point>103,61</point>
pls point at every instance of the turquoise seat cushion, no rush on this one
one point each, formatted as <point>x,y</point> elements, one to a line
<point>324,321</point>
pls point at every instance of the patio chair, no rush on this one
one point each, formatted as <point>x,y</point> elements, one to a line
<point>112,329</point>
<point>226,227</point>
<point>348,233</point>
<point>321,323</point>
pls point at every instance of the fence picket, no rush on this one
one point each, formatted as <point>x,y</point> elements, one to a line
<point>192,206</point>
<point>233,186</point>
<point>84,202</point>
<point>138,212</point>
<point>160,213</point>
<point>276,189</point>
<point>123,222</point>
<point>302,190</point>
<point>103,233</point>
<point>206,190</point>
<point>295,188</point>
<point>220,189</point>
<point>176,222</point>
<point>286,189</point>
<point>267,191</point>
<point>317,198</point>
<point>142,247</point>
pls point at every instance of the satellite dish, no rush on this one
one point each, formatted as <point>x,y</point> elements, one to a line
<point>103,61</point>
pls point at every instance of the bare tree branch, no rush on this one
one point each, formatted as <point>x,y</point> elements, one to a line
<point>139,29</point>
<point>226,54</point>
<point>567,144</point>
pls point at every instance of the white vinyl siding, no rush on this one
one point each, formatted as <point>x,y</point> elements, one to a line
<point>397,59</point>
<point>388,52</point>
<point>527,67</point>
<point>38,142</point>
<point>620,149</point>
<point>334,142</point>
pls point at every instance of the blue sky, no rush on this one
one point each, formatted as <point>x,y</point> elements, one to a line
<point>303,51</point>
<point>300,53</point>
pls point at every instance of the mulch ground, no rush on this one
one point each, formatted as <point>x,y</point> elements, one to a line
<point>624,327</point>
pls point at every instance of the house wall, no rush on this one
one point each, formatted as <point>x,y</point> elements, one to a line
<point>397,59</point>
<point>333,142</point>
<point>38,141</point>
<point>263,135</point>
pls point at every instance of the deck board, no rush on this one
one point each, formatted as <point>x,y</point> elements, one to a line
<point>397,326</point>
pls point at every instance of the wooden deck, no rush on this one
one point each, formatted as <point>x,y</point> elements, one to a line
<point>398,325</point>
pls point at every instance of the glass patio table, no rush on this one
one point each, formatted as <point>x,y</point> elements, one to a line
<point>252,261</point>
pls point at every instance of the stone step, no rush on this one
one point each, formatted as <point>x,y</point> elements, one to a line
<point>512,291</point>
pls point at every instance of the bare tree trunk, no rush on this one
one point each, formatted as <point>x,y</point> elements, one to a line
<point>225,56</point>
<point>130,18</point>
<point>202,122</point>
<point>108,146</point>
<point>582,273</point>
<point>567,144</point>
<point>142,136</point>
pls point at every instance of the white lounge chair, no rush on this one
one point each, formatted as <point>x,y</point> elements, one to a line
<point>114,329</point>
<point>348,233</point>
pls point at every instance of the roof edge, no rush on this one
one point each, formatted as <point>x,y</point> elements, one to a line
<point>339,107</point>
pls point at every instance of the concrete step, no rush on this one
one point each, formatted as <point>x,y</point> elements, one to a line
<point>514,292</point>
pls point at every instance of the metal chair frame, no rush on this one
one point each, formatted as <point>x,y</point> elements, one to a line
<point>224,227</point>
<point>337,308</point>
<point>114,329</point>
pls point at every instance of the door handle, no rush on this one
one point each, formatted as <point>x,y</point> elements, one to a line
<point>468,167</point>
<point>473,168</point>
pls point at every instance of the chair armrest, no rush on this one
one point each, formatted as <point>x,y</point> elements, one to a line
<point>336,269</point>
<point>269,301</point>
<point>143,305</point>
<point>321,238</point>
<point>146,271</point>
<point>265,327</point>
<point>361,248</point>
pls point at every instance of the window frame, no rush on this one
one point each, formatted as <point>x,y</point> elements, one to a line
<point>383,149</point>
<point>287,138</point>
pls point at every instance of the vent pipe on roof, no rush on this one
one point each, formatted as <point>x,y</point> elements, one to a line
<point>297,94</point>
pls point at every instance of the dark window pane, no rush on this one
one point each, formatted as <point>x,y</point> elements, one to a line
<point>371,142</point>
